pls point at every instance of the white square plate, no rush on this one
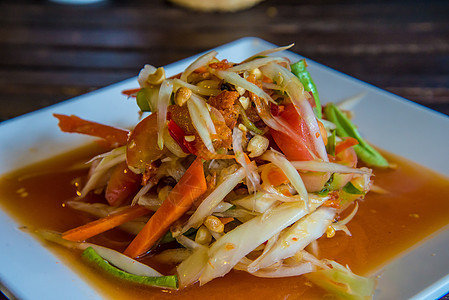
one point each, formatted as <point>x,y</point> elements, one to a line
<point>28,269</point>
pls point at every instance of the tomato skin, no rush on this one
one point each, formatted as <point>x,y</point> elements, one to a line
<point>142,148</point>
<point>122,185</point>
<point>293,149</point>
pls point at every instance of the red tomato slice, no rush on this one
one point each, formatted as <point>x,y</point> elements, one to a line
<point>294,149</point>
<point>142,147</point>
<point>122,185</point>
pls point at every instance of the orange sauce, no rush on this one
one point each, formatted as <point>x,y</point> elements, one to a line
<point>385,226</point>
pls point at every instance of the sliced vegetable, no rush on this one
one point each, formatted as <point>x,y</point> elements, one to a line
<point>248,124</point>
<point>295,90</point>
<point>252,176</point>
<point>142,148</point>
<point>269,51</point>
<point>179,135</point>
<point>93,228</point>
<point>122,185</point>
<point>345,144</point>
<point>297,148</point>
<point>345,128</point>
<point>163,102</point>
<point>296,238</point>
<point>300,70</point>
<point>342,282</point>
<point>146,98</point>
<point>108,161</point>
<point>191,186</point>
<point>131,92</point>
<point>213,199</point>
<point>73,124</point>
<point>227,251</point>
<point>116,258</point>
<point>158,281</point>
<point>290,171</point>
<point>201,61</point>
<point>101,210</point>
<point>199,122</point>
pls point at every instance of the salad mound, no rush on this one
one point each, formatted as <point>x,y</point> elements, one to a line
<point>236,166</point>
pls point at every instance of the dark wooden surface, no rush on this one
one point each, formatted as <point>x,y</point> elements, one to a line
<point>51,52</point>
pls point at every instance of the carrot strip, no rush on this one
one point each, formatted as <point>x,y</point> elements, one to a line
<point>226,220</point>
<point>93,228</point>
<point>131,92</point>
<point>191,186</point>
<point>345,144</point>
<point>74,124</point>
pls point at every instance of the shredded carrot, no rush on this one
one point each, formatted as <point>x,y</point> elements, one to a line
<point>345,144</point>
<point>131,92</point>
<point>226,220</point>
<point>247,160</point>
<point>191,186</point>
<point>73,124</point>
<point>93,228</point>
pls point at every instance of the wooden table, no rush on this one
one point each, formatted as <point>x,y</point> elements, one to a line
<point>51,52</point>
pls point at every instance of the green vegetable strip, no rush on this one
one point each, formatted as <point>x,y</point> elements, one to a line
<point>248,124</point>
<point>343,283</point>
<point>164,281</point>
<point>142,100</point>
<point>331,143</point>
<point>346,128</point>
<point>300,71</point>
<point>351,189</point>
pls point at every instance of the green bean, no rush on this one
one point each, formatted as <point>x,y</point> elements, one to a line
<point>300,71</point>
<point>346,128</point>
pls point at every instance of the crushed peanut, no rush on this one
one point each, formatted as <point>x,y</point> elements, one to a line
<point>182,95</point>
<point>157,77</point>
<point>257,145</point>
<point>203,236</point>
<point>214,224</point>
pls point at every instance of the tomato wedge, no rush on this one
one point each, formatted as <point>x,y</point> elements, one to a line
<point>122,185</point>
<point>294,149</point>
<point>142,147</point>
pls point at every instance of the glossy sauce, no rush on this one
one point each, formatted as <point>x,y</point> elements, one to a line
<point>385,226</point>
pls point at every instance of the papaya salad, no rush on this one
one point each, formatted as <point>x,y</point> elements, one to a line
<point>236,166</point>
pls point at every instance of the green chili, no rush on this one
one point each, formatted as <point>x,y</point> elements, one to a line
<point>300,71</point>
<point>346,128</point>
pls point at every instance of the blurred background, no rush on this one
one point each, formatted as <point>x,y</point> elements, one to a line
<point>51,51</point>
